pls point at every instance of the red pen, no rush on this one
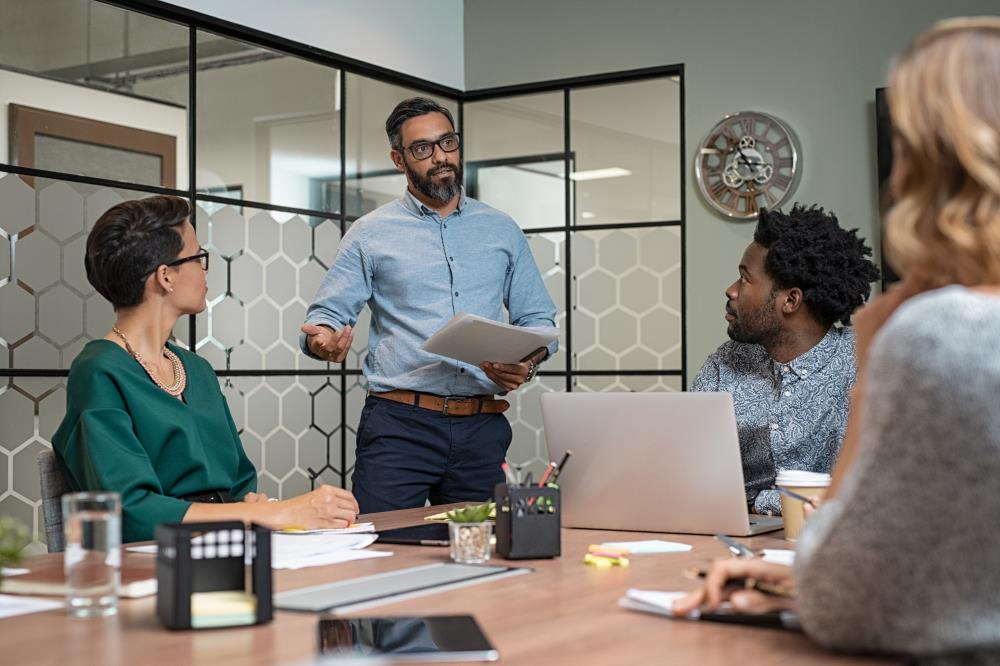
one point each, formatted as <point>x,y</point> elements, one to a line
<point>546,475</point>
<point>509,474</point>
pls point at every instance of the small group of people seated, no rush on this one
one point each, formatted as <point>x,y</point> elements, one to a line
<point>897,398</point>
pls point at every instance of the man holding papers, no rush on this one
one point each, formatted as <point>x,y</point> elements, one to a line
<point>430,428</point>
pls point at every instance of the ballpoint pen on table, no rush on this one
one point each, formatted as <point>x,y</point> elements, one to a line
<point>735,547</point>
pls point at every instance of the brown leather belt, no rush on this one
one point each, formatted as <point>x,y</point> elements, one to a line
<point>450,405</point>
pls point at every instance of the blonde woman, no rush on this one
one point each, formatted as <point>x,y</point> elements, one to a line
<point>904,558</point>
<point>145,418</point>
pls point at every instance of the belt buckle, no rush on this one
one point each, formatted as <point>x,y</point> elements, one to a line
<point>449,399</point>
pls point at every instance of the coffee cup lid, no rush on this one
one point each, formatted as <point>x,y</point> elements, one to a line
<point>802,478</point>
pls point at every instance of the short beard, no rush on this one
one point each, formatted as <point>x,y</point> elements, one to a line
<point>762,328</point>
<point>443,192</point>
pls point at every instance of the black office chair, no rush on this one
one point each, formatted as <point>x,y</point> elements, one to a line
<point>54,485</point>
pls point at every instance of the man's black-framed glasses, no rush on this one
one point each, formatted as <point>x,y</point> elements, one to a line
<point>422,150</point>
<point>202,257</point>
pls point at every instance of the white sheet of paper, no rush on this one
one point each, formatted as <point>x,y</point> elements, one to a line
<point>296,551</point>
<point>474,340</point>
<point>652,601</point>
<point>779,556</point>
<point>7,572</point>
<point>357,528</point>
<point>649,546</point>
<point>300,550</point>
<point>12,604</point>
<point>325,559</point>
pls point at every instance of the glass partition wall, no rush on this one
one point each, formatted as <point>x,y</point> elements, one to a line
<point>280,148</point>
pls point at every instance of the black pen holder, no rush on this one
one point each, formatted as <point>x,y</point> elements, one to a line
<point>527,522</point>
<point>194,558</point>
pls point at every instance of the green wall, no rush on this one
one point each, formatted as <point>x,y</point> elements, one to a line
<point>814,64</point>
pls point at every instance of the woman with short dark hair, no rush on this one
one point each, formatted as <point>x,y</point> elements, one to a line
<point>145,418</point>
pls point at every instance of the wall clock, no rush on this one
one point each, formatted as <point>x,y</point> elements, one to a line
<point>749,160</point>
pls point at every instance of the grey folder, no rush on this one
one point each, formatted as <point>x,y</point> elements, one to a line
<point>390,586</point>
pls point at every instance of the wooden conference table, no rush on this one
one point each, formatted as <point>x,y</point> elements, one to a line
<point>564,613</point>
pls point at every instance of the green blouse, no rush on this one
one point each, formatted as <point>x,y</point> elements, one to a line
<point>123,433</point>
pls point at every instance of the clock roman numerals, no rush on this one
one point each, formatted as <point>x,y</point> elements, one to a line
<point>718,188</point>
<point>781,181</point>
<point>747,126</point>
<point>749,200</point>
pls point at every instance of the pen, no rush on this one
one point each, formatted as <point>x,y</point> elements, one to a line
<point>559,467</point>
<point>795,495</point>
<point>786,619</point>
<point>747,584</point>
<point>735,547</point>
<point>546,475</point>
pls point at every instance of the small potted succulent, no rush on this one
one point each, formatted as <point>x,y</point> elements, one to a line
<point>13,539</point>
<point>470,532</point>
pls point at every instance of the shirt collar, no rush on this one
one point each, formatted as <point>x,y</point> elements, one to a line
<point>413,204</point>
<point>816,358</point>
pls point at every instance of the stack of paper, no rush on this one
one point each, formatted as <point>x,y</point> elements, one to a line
<point>297,551</point>
<point>474,340</point>
<point>356,528</point>
<point>648,546</point>
<point>314,548</point>
<point>779,556</point>
<point>652,601</point>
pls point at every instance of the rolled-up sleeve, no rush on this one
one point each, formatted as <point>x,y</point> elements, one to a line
<point>525,296</point>
<point>345,289</point>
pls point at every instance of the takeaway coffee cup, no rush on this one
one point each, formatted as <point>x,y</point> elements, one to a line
<point>809,484</point>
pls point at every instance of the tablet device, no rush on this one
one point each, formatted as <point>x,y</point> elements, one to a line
<point>405,639</point>
<point>435,534</point>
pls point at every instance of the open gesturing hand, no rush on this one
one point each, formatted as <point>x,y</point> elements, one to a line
<point>328,344</point>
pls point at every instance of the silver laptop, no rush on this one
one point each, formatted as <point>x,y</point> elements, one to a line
<point>651,462</point>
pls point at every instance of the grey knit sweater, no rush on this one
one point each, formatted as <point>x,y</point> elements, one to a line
<point>907,559</point>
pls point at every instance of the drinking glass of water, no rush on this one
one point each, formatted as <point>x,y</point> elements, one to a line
<point>92,561</point>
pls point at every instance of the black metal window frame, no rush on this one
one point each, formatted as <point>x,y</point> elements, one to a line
<point>196,22</point>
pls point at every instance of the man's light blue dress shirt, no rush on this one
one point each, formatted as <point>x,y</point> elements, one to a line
<point>416,271</point>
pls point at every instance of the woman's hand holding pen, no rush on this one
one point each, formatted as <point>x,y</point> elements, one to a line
<point>324,507</point>
<point>715,590</point>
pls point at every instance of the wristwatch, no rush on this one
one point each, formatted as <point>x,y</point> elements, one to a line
<point>532,369</point>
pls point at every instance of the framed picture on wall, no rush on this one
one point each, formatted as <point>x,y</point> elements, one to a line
<point>65,143</point>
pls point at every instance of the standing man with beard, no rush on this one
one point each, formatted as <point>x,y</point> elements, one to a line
<point>431,427</point>
<point>790,363</point>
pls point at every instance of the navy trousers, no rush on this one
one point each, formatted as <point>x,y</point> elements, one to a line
<point>407,455</point>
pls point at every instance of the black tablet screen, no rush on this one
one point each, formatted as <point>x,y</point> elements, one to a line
<point>448,637</point>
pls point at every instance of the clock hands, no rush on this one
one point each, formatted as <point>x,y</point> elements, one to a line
<point>746,160</point>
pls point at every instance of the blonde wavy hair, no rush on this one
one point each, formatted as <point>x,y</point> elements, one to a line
<point>944,99</point>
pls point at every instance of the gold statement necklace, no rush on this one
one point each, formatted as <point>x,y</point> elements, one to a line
<point>180,377</point>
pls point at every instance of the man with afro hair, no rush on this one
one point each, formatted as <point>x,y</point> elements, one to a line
<point>790,364</point>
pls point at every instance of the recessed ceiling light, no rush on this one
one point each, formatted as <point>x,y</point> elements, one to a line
<point>597,174</point>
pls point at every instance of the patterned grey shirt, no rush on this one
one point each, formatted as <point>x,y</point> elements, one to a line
<point>789,415</point>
